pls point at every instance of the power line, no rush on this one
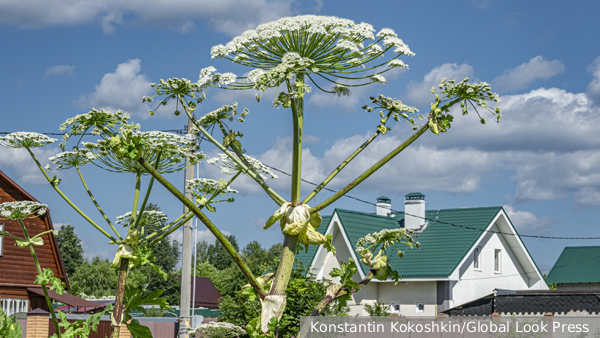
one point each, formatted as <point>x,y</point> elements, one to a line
<point>441,222</point>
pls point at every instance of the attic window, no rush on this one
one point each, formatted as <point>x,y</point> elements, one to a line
<point>1,240</point>
<point>498,261</point>
<point>477,258</point>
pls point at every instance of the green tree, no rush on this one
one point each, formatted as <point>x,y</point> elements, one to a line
<point>378,309</point>
<point>70,248</point>
<point>202,251</point>
<point>218,255</point>
<point>304,294</point>
<point>167,251</point>
<point>274,251</point>
<point>94,278</point>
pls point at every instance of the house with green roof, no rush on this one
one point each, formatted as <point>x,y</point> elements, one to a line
<point>464,255</point>
<point>577,268</point>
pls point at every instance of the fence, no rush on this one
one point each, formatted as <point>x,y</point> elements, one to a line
<point>161,327</point>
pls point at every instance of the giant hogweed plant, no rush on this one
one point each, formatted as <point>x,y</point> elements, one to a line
<point>291,55</point>
<point>119,146</point>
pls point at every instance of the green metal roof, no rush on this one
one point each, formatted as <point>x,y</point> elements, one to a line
<point>576,264</point>
<point>383,198</point>
<point>414,194</point>
<point>443,246</point>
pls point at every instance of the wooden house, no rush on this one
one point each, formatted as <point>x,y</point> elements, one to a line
<point>18,292</point>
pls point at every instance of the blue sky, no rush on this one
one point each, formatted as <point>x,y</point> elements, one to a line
<point>541,162</point>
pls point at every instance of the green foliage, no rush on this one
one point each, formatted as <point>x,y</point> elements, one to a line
<point>138,330</point>
<point>378,309</point>
<point>302,294</point>
<point>219,330</point>
<point>70,248</point>
<point>345,272</point>
<point>95,277</point>
<point>134,299</point>
<point>47,277</point>
<point>80,328</point>
<point>9,327</point>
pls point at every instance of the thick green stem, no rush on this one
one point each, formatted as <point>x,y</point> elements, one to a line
<point>298,119</point>
<point>55,186</point>
<point>343,165</point>
<point>286,264</point>
<point>288,254</point>
<point>143,206</point>
<point>370,171</point>
<point>248,170</point>
<point>117,315</point>
<point>209,225</point>
<point>96,203</point>
<point>39,269</point>
<point>136,198</point>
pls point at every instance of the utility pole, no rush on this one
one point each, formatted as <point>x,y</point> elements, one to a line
<point>186,257</point>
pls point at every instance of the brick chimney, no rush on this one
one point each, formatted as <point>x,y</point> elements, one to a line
<point>414,205</point>
<point>384,206</point>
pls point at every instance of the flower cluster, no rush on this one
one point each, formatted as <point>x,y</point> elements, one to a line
<point>98,120</point>
<point>219,330</point>
<point>21,210</point>
<point>228,166</point>
<point>176,88</point>
<point>173,150</point>
<point>70,159</point>
<point>226,112</point>
<point>149,217</point>
<point>201,187</point>
<point>379,242</point>
<point>23,139</point>
<point>392,107</point>
<point>325,46</point>
<point>469,94</point>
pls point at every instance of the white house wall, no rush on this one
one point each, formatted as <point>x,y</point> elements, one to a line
<point>474,284</point>
<point>407,294</point>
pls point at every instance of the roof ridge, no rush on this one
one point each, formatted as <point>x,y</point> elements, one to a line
<point>362,213</point>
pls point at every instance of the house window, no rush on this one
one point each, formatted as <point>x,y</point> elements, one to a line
<point>477,258</point>
<point>395,307</point>
<point>420,307</point>
<point>11,306</point>
<point>497,261</point>
<point>1,240</point>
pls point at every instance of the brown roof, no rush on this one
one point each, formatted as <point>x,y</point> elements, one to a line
<point>206,293</point>
<point>48,220</point>
<point>65,298</point>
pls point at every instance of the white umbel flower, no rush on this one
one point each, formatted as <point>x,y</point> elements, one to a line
<point>22,210</point>
<point>23,139</point>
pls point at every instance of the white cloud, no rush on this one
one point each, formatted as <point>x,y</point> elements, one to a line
<point>60,69</point>
<point>122,89</point>
<point>228,16</point>
<point>593,89</point>
<point>527,223</point>
<point>588,197</point>
<point>419,93</point>
<point>547,141</point>
<point>523,75</point>
<point>18,164</point>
